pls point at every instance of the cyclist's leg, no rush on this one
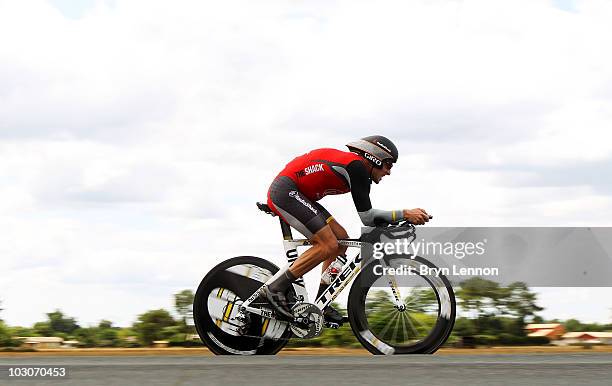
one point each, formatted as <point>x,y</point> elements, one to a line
<point>309,218</point>
<point>324,244</point>
<point>340,233</point>
<point>330,313</point>
<point>316,223</point>
<point>297,210</point>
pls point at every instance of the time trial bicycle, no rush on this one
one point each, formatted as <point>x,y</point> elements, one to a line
<point>389,314</point>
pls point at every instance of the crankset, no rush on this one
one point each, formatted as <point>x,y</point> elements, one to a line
<point>308,320</point>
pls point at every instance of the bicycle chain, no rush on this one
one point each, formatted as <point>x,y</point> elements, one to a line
<point>292,335</point>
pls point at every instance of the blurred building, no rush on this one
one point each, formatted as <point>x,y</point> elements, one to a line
<point>593,337</point>
<point>552,331</point>
<point>160,343</point>
<point>38,342</point>
<point>70,344</point>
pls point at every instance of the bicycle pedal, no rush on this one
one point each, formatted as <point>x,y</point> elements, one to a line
<point>332,325</point>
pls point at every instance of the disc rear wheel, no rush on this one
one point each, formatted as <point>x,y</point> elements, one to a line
<point>217,304</point>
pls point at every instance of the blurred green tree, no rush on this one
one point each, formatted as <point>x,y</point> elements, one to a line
<point>464,327</point>
<point>488,302</point>
<point>183,303</point>
<point>5,335</point>
<point>479,296</point>
<point>60,323</point>
<point>150,325</point>
<point>107,335</point>
<point>518,301</point>
<point>87,336</point>
<point>42,329</point>
<point>22,331</point>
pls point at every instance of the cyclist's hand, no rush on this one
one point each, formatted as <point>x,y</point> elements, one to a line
<point>416,216</point>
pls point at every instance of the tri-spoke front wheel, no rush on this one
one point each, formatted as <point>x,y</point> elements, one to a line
<point>394,309</point>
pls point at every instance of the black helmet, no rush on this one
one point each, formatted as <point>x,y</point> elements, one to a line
<point>375,149</point>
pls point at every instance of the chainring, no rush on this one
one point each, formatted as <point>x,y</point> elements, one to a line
<point>312,320</point>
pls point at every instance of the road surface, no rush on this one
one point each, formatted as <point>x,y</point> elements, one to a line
<point>533,369</point>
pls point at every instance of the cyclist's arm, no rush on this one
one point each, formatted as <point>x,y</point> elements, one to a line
<point>360,190</point>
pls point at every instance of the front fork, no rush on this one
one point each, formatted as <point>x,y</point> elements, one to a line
<point>397,296</point>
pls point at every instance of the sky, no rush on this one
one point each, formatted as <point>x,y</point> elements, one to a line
<point>136,137</point>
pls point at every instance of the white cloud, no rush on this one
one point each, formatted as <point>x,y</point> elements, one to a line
<point>139,135</point>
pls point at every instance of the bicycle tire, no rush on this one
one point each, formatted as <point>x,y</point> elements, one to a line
<point>223,280</point>
<point>368,337</point>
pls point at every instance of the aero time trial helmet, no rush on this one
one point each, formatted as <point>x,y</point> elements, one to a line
<point>376,149</point>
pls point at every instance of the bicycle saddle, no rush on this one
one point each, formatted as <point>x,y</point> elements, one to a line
<point>265,208</point>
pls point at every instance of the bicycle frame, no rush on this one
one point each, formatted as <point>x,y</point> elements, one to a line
<point>222,318</point>
<point>349,271</point>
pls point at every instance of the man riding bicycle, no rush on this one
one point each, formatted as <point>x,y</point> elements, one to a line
<point>294,193</point>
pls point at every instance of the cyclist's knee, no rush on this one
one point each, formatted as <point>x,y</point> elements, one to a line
<point>330,249</point>
<point>341,249</point>
<point>326,242</point>
<point>340,233</point>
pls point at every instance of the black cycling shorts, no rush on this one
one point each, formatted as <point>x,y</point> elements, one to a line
<point>307,216</point>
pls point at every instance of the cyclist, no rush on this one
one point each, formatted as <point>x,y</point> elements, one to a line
<point>294,193</point>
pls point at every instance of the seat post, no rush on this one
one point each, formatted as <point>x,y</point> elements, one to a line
<point>286,229</point>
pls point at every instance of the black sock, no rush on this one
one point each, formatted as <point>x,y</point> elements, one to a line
<point>322,287</point>
<point>282,282</point>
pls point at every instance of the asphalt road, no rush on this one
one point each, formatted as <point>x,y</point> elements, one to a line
<point>535,369</point>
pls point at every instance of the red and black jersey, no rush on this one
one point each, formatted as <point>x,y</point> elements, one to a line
<point>329,171</point>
